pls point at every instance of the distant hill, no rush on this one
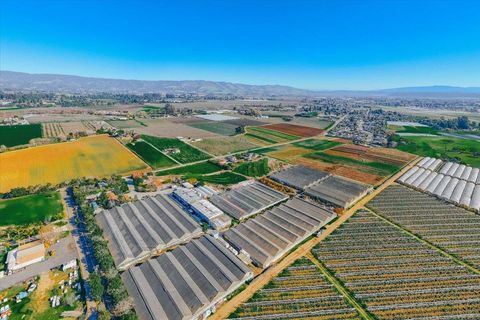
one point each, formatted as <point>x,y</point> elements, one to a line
<point>19,81</point>
<point>76,84</point>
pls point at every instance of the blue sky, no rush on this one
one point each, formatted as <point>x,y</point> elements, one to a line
<point>307,44</point>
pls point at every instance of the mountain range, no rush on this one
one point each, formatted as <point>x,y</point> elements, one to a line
<point>26,82</point>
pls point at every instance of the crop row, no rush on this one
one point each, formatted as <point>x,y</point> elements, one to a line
<point>396,276</point>
<point>300,289</point>
<point>451,228</point>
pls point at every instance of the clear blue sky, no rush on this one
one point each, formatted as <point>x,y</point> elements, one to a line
<point>308,44</point>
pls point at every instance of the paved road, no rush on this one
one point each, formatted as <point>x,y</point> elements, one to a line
<point>261,280</point>
<point>65,252</point>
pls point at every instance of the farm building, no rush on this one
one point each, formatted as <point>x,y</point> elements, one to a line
<point>247,200</point>
<point>185,283</point>
<point>25,255</point>
<point>267,237</point>
<point>453,182</point>
<point>195,199</point>
<point>338,191</point>
<point>299,177</point>
<point>139,229</point>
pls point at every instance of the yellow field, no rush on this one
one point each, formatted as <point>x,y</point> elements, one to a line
<point>94,156</point>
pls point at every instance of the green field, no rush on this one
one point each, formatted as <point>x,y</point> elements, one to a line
<point>124,124</point>
<point>199,168</point>
<point>467,151</point>
<point>317,145</point>
<point>31,209</point>
<point>418,130</point>
<point>222,128</point>
<point>187,153</point>
<point>253,169</point>
<point>266,150</point>
<point>378,168</point>
<point>224,178</point>
<point>17,135</point>
<point>269,136</point>
<point>151,155</point>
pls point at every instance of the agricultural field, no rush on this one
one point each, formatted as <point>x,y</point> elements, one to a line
<point>124,124</point>
<point>11,136</point>
<point>218,127</point>
<point>225,145</point>
<point>180,151</point>
<point>199,168</point>
<point>451,228</point>
<point>467,151</point>
<point>263,136</point>
<point>52,130</point>
<point>395,275</point>
<point>293,129</point>
<point>94,156</point>
<point>223,178</point>
<point>414,130</point>
<point>317,145</point>
<point>299,291</point>
<point>150,155</point>
<point>172,128</point>
<point>257,168</point>
<point>31,209</point>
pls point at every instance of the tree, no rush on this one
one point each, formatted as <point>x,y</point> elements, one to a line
<point>462,123</point>
<point>96,286</point>
<point>70,299</point>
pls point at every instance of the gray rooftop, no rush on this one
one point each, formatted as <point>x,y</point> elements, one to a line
<point>185,282</point>
<point>337,190</point>
<point>299,177</point>
<point>136,230</point>
<point>247,200</point>
<point>267,237</point>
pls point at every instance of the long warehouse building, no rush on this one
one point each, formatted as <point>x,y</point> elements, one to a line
<point>247,200</point>
<point>339,191</point>
<point>187,282</point>
<point>267,237</point>
<point>453,182</point>
<point>137,230</point>
<point>299,177</point>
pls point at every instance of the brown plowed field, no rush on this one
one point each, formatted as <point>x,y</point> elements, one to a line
<point>391,156</point>
<point>294,129</point>
<point>346,172</point>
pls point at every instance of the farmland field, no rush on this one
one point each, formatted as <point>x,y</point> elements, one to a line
<point>293,129</point>
<point>467,151</point>
<point>173,128</point>
<point>224,145</point>
<point>218,127</point>
<point>266,136</point>
<point>412,129</point>
<point>94,156</point>
<point>395,275</point>
<point>186,153</point>
<point>17,135</point>
<point>199,168</point>
<point>31,209</point>
<point>300,290</point>
<point>257,168</point>
<point>124,124</point>
<point>454,229</point>
<point>150,155</point>
<point>223,178</point>
<point>317,145</point>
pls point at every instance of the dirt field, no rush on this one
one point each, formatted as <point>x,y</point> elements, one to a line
<point>289,153</point>
<point>225,145</point>
<point>168,129</point>
<point>294,129</point>
<point>94,156</point>
<point>392,156</point>
<point>340,170</point>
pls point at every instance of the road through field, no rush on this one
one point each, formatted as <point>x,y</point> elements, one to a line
<point>261,280</point>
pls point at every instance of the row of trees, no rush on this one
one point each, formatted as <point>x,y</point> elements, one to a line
<point>106,283</point>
